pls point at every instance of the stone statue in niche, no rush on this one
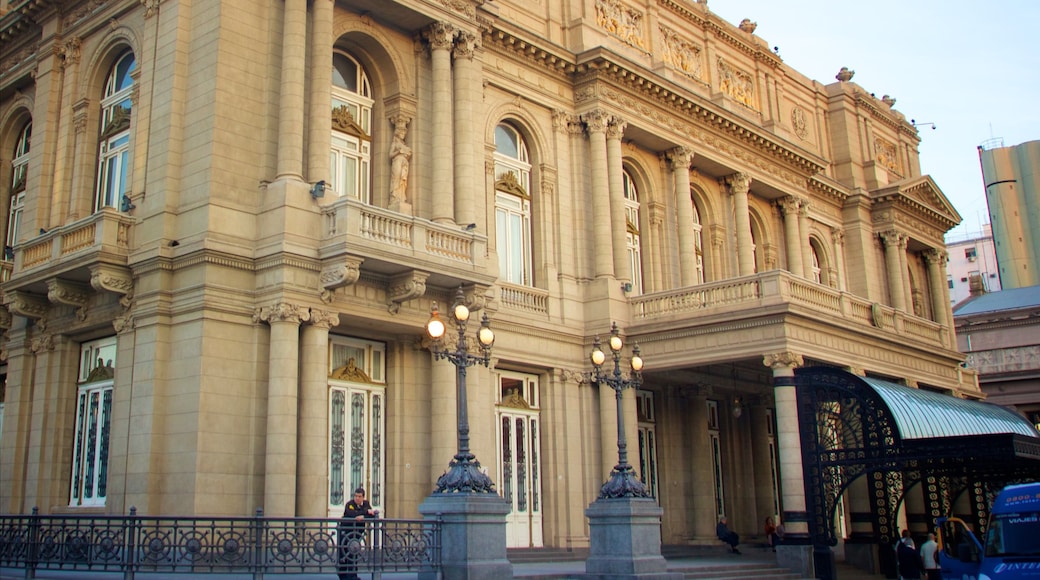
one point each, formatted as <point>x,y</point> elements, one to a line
<point>400,160</point>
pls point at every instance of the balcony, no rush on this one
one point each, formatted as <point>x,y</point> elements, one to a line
<point>409,252</point>
<point>64,262</point>
<point>779,296</point>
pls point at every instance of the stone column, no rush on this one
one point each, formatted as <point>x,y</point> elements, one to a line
<point>789,208</point>
<point>282,407</point>
<point>290,101</point>
<point>797,552</point>
<point>441,36</point>
<point>789,445</point>
<point>680,158</point>
<point>740,186</point>
<point>469,145</point>
<point>596,124</point>
<point>567,133</point>
<point>615,184</point>
<point>319,134</point>
<point>904,271</point>
<point>891,240</point>
<point>656,243</point>
<point>311,459</point>
<point>803,239</point>
<point>701,468</point>
<point>936,280</point>
<point>838,235</point>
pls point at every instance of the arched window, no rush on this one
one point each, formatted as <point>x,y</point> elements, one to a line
<point>19,173</point>
<point>512,205</point>
<point>698,244</point>
<point>817,274</point>
<point>114,148</point>
<point>635,257</point>
<point>350,157</point>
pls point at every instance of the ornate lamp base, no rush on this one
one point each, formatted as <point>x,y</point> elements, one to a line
<point>623,483</point>
<point>464,475</point>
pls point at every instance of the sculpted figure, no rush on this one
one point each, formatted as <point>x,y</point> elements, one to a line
<point>400,158</point>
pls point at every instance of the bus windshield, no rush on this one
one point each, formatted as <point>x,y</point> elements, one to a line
<point>1016,534</point>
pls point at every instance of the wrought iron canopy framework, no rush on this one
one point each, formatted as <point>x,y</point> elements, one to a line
<point>898,436</point>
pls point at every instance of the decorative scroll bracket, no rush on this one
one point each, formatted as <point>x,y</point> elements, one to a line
<point>109,278</point>
<point>70,293</point>
<point>25,304</point>
<point>476,296</point>
<point>344,272</point>
<point>403,287</point>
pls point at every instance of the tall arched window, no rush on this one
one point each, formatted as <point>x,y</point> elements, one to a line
<point>114,147</point>
<point>817,272</point>
<point>698,244</point>
<point>350,157</point>
<point>19,173</point>
<point>635,257</point>
<point>512,206</point>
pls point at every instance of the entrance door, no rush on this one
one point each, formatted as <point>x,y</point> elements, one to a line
<point>356,423</point>
<point>519,459</point>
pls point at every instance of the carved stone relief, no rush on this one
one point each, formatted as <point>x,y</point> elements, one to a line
<point>736,83</point>
<point>885,154</point>
<point>621,21</point>
<point>681,54</point>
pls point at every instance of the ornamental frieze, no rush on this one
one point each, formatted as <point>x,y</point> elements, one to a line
<point>681,54</point>
<point>709,139</point>
<point>885,154</point>
<point>621,21</point>
<point>736,83</point>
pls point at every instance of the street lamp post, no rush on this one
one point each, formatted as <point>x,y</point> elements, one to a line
<point>623,481</point>
<point>625,521</point>
<point>470,513</point>
<point>464,474</point>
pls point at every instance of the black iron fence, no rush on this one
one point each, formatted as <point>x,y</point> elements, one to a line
<point>258,545</point>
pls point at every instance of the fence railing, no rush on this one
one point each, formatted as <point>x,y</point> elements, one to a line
<point>246,545</point>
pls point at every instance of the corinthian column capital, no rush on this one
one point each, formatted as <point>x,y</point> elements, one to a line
<point>282,312</point>
<point>739,182</point>
<point>440,35</point>
<point>680,157</point>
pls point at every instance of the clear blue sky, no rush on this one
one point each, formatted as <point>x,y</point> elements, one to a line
<point>970,67</point>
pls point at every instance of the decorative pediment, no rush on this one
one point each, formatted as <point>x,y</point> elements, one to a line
<point>344,122</point>
<point>120,121</point>
<point>102,371</point>
<point>920,195</point>
<point>508,183</point>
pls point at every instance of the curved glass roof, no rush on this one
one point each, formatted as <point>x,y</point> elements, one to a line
<point>922,414</point>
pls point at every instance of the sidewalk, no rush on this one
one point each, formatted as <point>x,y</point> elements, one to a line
<point>532,570</point>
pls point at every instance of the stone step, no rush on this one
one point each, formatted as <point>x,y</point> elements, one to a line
<point>520,555</point>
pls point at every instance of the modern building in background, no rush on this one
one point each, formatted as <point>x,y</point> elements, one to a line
<point>1000,333</point>
<point>971,265</point>
<point>227,223</point>
<point>1012,179</point>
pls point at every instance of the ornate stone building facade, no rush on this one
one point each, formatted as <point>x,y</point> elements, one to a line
<point>227,223</point>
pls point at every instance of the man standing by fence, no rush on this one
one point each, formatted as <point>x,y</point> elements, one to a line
<point>351,531</point>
